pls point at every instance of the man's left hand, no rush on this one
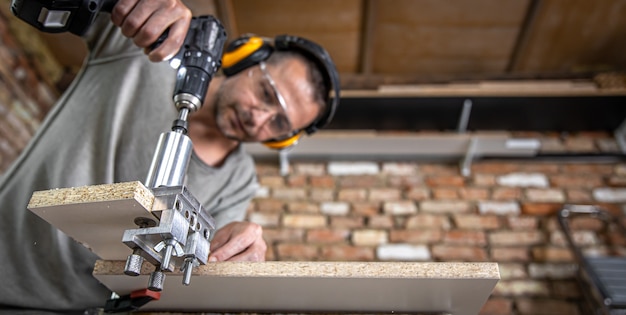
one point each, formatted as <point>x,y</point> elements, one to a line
<point>238,241</point>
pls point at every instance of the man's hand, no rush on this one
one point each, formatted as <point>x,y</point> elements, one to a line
<point>145,20</point>
<point>238,241</point>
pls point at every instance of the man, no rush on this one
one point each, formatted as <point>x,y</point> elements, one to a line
<point>104,129</point>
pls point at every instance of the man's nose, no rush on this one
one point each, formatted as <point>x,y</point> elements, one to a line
<point>260,116</point>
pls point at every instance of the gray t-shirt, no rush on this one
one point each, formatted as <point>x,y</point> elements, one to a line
<point>104,129</point>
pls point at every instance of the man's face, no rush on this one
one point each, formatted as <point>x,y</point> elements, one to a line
<point>266,102</point>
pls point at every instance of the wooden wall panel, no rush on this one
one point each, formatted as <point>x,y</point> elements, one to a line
<point>335,24</point>
<point>575,36</point>
<point>430,36</point>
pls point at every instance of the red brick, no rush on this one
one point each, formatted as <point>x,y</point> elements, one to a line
<point>418,193</point>
<point>425,220</point>
<point>445,193</point>
<point>351,194</point>
<point>541,209</point>
<point>593,169</point>
<point>366,208</point>
<point>484,180</point>
<point>569,181</point>
<point>297,180</point>
<point>347,222</point>
<point>552,254</point>
<point>380,221</point>
<point>369,237</point>
<point>506,193</point>
<point>510,254</point>
<point>494,167</point>
<point>282,235</point>
<point>289,251</point>
<point>465,237</point>
<point>497,306</point>
<point>516,238</point>
<point>303,221</point>
<point>289,193</point>
<point>616,181</point>
<point>393,168</point>
<point>437,181</point>
<point>384,194</point>
<point>510,271</point>
<point>327,235</point>
<point>546,307</point>
<point>545,195</point>
<point>545,168</point>
<point>456,253</point>
<point>314,169</point>
<point>585,223</point>
<point>270,205</point>
<point>439,169</point>
<point>326,181</point>
<point>405,182</point>
<point>322,194</point>
<point>578,195</point>
<point>263,169</point>
<point>347,253</point>
<point>523,223</point>
<point>522,288</point>
<point>303,207</point>
<point>474,193</point>
<point>473,221</point>
<point>364,181</point>
<point>272,181</point>
<point>425,236</point>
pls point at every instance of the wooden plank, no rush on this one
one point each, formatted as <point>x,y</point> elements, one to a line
<point>453,37</point>
<point>574,36</point>
<point>372,287</point>
<point>95,216</point>
<point>334,24</point>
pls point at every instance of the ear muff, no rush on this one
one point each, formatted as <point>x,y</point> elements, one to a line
<point>243,53</point>
<point>284,143</point>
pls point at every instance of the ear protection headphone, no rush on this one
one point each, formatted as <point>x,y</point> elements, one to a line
<point>248,51</point>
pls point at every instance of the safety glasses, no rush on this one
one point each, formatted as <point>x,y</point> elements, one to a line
<point>279,124</point>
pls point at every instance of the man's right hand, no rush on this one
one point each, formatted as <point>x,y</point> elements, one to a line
<point>145,20</point>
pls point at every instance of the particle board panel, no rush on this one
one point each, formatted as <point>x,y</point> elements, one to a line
<point>283,286</point>
<point>96,216</point>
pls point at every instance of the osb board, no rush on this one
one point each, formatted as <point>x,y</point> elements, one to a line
<point>95,216</point>
<point>281,286</point>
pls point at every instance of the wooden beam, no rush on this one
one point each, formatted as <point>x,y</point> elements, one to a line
<point>368,21</point>
<point>226,12</point>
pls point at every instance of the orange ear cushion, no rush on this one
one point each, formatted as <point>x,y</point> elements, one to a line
<point>282,144</point>
<point>233,57</point>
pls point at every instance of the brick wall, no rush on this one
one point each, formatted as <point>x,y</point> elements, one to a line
<point>25,97</point>
<point>386,211</point>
